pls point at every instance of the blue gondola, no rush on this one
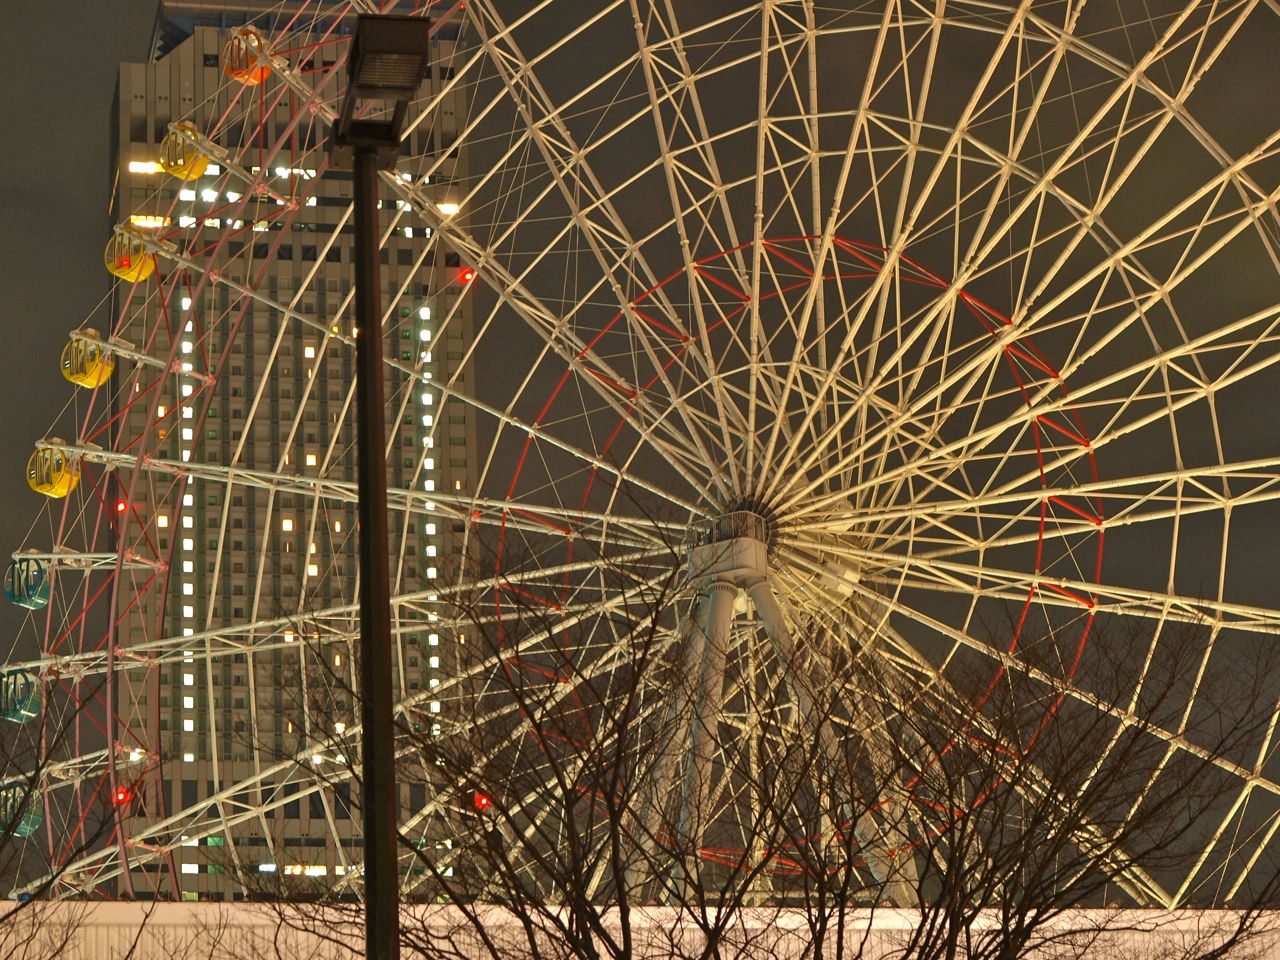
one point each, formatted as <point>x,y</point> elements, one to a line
<point>18,815</point>
<point>26,583</point>
<point>19,696</point>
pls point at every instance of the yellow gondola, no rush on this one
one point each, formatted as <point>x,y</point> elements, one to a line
<point>179,156</point>
<point>86,361</point>
<point>241,57</point>
<point>127,256</point>
<point>53,471</point>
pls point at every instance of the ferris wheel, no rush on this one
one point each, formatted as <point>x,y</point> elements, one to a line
<point>845,331</point>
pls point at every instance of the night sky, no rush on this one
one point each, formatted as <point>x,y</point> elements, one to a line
<point>55,181</point>
<point>60,62</point>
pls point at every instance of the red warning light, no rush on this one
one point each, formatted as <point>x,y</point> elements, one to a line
<point>123,796</point>
<point>466,274</point>
<point>121,506</point>
<point>483,801</point>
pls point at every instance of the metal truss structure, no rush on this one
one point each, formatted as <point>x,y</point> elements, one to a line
<point>864,324</point>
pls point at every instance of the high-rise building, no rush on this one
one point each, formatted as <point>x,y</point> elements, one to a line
<point>248,432</point>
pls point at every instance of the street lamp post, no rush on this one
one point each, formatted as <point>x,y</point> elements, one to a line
<point>389,57</point>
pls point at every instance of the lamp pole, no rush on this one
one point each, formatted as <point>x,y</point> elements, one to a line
<point>389,57</point>
<point>378,789</point>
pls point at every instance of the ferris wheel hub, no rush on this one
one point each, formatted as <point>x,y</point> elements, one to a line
<point>731,548</point>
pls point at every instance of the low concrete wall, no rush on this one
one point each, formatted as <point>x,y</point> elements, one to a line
<point>200,931</point>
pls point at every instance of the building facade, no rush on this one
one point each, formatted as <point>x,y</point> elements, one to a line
<point>254,521</point>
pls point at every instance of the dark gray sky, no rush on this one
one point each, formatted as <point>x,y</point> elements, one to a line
<point>58,62</point>
<point>59,66</point>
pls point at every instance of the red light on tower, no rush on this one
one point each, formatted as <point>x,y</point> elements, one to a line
<point>466,274</point>
<point>121,506</point>
<point>122,796</point>
<point>483,801</point>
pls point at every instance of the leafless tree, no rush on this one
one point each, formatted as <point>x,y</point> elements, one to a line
<point>1016,810</point>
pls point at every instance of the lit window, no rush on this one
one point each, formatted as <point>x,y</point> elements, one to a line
<point>186,346</point>
<point>188,758</point>
<point>309,352</point>
<point>208,196</point>
<point>188,589</point>
<point>186,194</point>
<point>337,526</point>
<point>448,208</point>
<point>431,550</point>
<point>191,868</point>
<point>160,410</point>
<point>433,639</point>
<point>408,231</point>
<point>288,636</point>
<point>188,703</point>
<point>188,522</point>
<point>186,303</point>
<point>312,547</point>
<point>148,221</point>
<point>286,524</point>
<point>311,459</point>
<point>433,683</point>
<point>434,706</point>
<point>337,659</point>
<point>340,727</point>
<point>187,414</point>
<point>313,570</point>
<point>431,573</point>
<point>428,485</point>
<point>433,662</point>
<point>232,196</point>
<point>431,529</point>
<point>162,521</point>
<point>188,500</point>
<point>266,868</point>
<point>212,170</point>
<point>186,389</point>
<point>188,726</point>
<point>187,221</point>
<point>188,611</point>
<point>144,166</point>
<point>187,654</point>
<point>188,842</point>
<point>188,566</point>
<point>428,463</point>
